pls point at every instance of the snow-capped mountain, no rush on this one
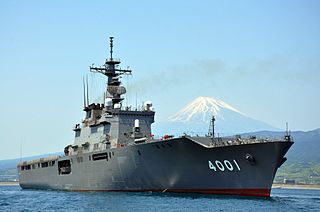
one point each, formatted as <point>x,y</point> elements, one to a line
<point>195,118</point>
<point>202,109</point>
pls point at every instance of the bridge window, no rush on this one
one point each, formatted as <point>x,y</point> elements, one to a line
<point>106,129</point>
<point>94,129</point>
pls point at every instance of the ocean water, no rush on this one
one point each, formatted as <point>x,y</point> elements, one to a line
<point>13,198</point>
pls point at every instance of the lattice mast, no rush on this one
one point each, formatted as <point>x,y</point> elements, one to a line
<point>112,71</point>
<point>211,127</point>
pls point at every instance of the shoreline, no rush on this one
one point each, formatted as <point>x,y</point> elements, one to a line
<point>9,183</point>
<point>296,186</point>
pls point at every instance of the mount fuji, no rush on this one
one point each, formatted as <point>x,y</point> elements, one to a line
<point>195,118</point>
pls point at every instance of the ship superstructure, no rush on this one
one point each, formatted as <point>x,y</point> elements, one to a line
<point>114,150</point>
<point>110,125</point>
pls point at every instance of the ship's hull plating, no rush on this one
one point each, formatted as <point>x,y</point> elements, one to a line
<point>175,165</point>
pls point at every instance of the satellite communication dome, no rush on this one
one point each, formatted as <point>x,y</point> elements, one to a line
<point>116,90</point>
<point>121,90</point>
<point>108,102</point>
<point>117,106</point>
<point>148,105</point>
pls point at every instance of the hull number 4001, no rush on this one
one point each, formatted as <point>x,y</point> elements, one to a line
<point>224,165</point>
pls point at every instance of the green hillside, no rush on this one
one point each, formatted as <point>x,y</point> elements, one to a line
<point>305,172</point>
<point>303,164</point>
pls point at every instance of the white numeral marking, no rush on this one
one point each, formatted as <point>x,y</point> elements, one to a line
<point>235,162</point>
<point>222,166</point>
<point>228,165</point>
<point>211,166</point>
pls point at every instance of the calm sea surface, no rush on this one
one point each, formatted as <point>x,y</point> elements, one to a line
<point>13,198</point>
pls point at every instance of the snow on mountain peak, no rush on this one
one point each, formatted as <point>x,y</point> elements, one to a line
<point>203,107</point>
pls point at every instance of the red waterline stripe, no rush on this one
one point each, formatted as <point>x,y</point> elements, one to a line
<point>258,192</point>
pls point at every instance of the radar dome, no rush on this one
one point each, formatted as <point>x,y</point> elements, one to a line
<point>148,105</point>
<point>108,102</point>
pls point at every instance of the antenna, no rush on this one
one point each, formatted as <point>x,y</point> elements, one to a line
<point>84,93</point>
<point>136,101</point>
<point>87,91</point>
<point>110,69</point>
<point>213,119</point>
<point>287,136</point>
<point>127,95</point>
<point>211,127</point>
<point>21,150</point>
<point>111,47</point>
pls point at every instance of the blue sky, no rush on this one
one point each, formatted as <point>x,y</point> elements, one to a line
<point>262,57</point>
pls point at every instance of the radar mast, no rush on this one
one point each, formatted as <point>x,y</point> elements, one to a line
<point>111,70</point>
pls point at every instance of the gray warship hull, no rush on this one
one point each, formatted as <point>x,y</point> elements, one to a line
<point>174,165</point>
<point>115,150</point>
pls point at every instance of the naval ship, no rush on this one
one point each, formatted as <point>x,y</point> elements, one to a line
<point>115,150</point>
